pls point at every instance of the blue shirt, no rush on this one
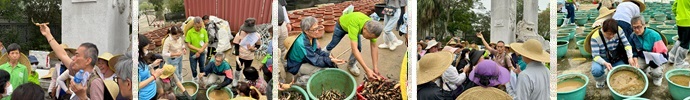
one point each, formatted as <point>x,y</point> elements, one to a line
<point>147,92</point>
<point>303,51</point>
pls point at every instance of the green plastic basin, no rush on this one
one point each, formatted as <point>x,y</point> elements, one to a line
<point>581,20</point>
<point>577,94</point>
<point>563,36</point>
<point>653,24</point>
<point>660,17</point>
<point>677,92</point>
<point>300,90</point>
<point>329,79</point>
<point>188,83</point>
<point>664,27</point>
<point>669,35</point>
<point>671,22</point>
<point>581,47</point>
<point>559,21</point>
<point>639,72</point>
<point>562,48</point>
<point>213,87</point>
<point>579,37</point>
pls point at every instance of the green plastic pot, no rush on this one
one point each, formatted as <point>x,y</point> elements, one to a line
<point>669,35</point>
<point>563,36</point>
<point>677,92</point>
<point>647,17</point>
<point>639,72</point>
<point>300,90</point>
<point>653,24</point>
<point>671,16</point>
<point>188,83</point>
<point>559,21</point>
<point>660,17</point>
<point>577,94</point>
<point>579,37</point>
<point>213,87</point>
<point>671,22</point>
<point>329,79</point>
<point>664,27</point>
<point>562,48</point>
<point>581,46</point>
<point>581,20</point>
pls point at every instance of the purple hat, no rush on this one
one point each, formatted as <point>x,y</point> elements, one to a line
<point>489,69</point>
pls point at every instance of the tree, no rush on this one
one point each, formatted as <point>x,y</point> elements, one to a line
<point>176,6</point>
<point>544,23</point>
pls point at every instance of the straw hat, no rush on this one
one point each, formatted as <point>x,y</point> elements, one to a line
<point>113,60</point>
<point>112,87</point>
<point>449,49</point>
<point>482,93</point>
<point>531,49</point>
<point>168,70</point>
<point>432,66</point>
<point>105,56</point>
<point>22,60</point>
<point>288,42</point>
<point>70,51</point>
<point>603,12</point>
<point>431,43</point>
<point>50,73</point>
<point>595,32</point>
<point>639,3</point>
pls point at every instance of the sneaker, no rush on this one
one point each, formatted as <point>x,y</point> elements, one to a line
<point>354,70</point>
<point>383,45</point>
<point>393,47</point>
<point>600,84</point>
<point>398,42</point>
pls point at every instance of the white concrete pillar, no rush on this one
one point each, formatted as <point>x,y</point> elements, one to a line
<point>503,14</point>
<point>102,22</point>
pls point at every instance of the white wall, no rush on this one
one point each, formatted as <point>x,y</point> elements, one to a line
<point>503,14</point>
<point>99,22</point>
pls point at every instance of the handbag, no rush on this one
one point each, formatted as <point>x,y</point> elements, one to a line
<point>389,10</point>
<point>617,54</point>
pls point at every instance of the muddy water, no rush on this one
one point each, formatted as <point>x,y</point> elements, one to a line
<point>219,95</point>
<point>190,89</point>
<point>683,80</point>
<point>569,85</point>
<point>626,82</point>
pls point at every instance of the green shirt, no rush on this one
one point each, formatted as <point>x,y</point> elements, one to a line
<point>18,74</point>
<point>219,69</point>
<point>353,23</point>
<point>196,38</point>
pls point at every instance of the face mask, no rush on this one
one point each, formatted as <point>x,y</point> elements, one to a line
<point>33,67</point>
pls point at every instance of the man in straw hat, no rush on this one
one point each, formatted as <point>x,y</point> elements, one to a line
<point>487,75</point>
<point>355,25</point>
<point>625,11</point>
<point>85,59</point>
<point>533,82</point>
<point>19,72</point>
<point>679,51</point>
<point>432,85</point>
<point>303,56</point>
<point>653,50</point>
<point>167,82</point>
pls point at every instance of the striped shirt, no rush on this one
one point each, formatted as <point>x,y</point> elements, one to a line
<point>599,51</point>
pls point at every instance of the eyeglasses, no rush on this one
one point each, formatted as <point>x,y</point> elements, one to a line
<point>638,27</point>
<point>316,29</point>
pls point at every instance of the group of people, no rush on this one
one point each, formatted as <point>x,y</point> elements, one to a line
<point>462,70</point>
<point>620,36</point>
<point>206,40</point>
<point>303,56</point>
<point>14,76</point>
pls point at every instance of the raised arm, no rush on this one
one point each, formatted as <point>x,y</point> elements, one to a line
<point>59,50</point>
<point>486,45</point>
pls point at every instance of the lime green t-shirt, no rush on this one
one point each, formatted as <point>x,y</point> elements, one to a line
<point>196,38</point>
<point>18,74</point>
<point>353,23</point>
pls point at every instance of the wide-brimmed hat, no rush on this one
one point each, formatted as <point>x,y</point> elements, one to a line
<point>288,42</point>
<point>168,70</point>
<point>105,56</point>
<point>484,93</point>
<point>531,49</point>
<point>23,59</point>
<point>603,12</point>
<point>430,44</point>
<point>112,87</point>
<point>432,65</point>
<point>449,49</point>
<point>70,51</point>
<point>248,25</point>
<point>639,4</point>
<point>496,74</point>
<point>50,73</point>
<point>113,60</point>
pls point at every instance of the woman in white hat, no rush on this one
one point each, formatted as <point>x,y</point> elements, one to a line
<point>532,83</point>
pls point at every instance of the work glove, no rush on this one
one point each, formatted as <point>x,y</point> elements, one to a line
<point>186,95</point>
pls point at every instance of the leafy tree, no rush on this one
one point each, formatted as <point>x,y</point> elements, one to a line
<point>176,6</point>
<point>544,23</point>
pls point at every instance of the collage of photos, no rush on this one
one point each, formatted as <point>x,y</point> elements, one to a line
<point>345,49</point>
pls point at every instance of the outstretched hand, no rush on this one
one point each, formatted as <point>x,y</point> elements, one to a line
<point>479,35</point>
<point>45,30</point>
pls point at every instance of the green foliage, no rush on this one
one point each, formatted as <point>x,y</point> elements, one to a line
<point>21,13</point>
<point>544,23</point>
<point>176,6</point>
<point>447,18</point>
<point>143,6</point>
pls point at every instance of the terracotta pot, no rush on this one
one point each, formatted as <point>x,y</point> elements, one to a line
<point>319,12</point>
<point>327,13</point>
<point>329,26</point>
<point>296,27</point>
<point>319,19</point>
<point>338,14</point>
<point>318,15</point>
<point>321,9</point>
<point>311,11</point>
<point>329,17</point>
<point>292,17</point>
<point>298,12</point>
<point>308,14</point>
<point>321,30</point>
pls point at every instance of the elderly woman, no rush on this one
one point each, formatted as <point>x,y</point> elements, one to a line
<point>651,46</point>
<point>124,77</point>
<point>174,48</point>
<point>610,47</point>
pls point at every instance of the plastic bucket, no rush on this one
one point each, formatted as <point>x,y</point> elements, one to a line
<point>655,23</point>
<point>213,87</point>
<point>660,17</point>
<point>577,94</point>
<point>188,83</point>
<point>560,20</point>
<point>579,37</point>
<point>300,90</point>
<point>562,48</point>
<point>581,46</point>
<point>677,92</point>
<point>331,78</point>
<point>581,20</point>
<point>639,72</point>
<point>664,27</point>
<point>669,35</point>
<point>563,36</point>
